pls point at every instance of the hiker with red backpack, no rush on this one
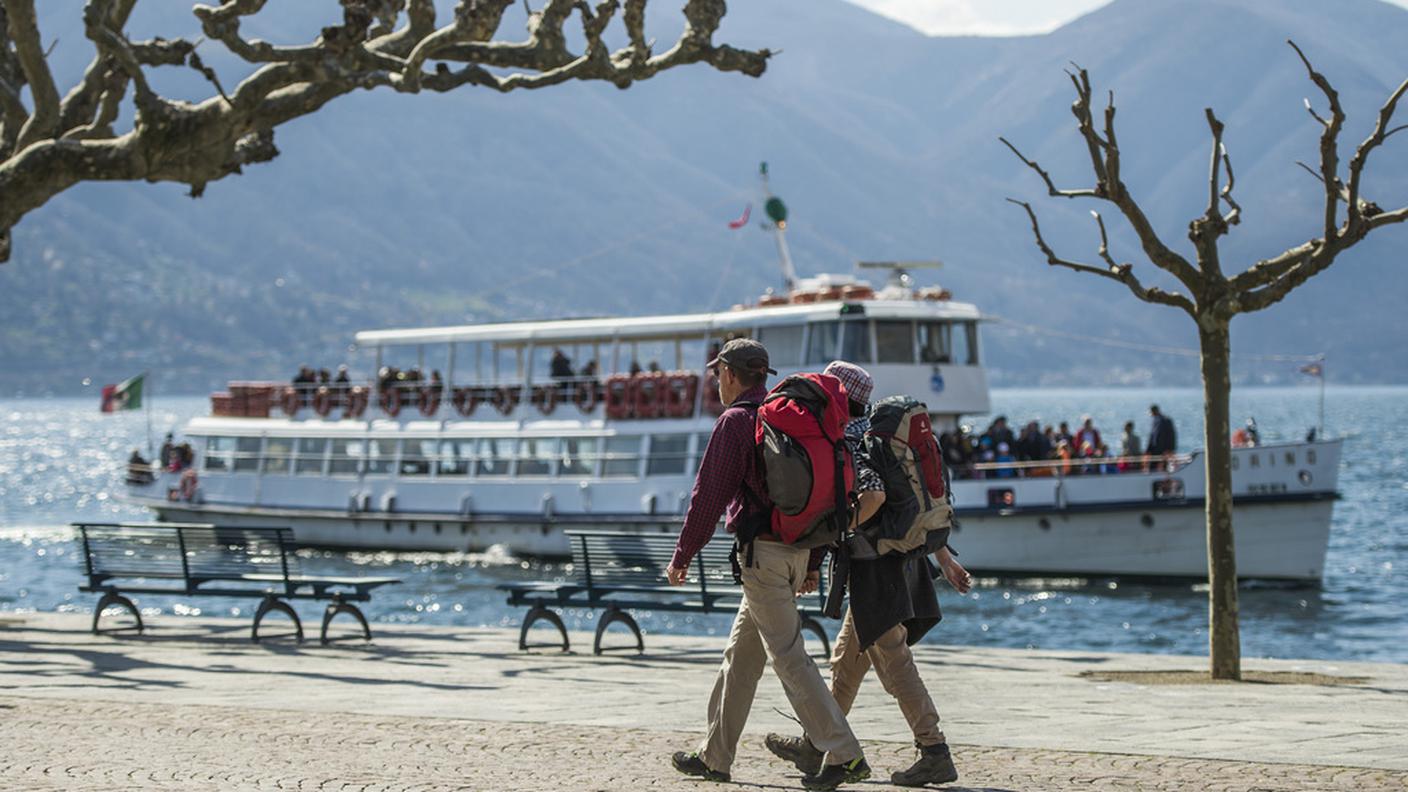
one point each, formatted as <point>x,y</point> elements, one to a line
<point>892,598</point>
<point>778,466</point>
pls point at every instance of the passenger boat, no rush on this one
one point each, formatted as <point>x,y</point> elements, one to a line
<point>501,453</point>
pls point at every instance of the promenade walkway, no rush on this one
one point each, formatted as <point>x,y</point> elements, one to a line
<point>193,705</point>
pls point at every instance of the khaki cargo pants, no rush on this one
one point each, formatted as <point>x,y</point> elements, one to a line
<point>894,664</point>
<point>768,626</point>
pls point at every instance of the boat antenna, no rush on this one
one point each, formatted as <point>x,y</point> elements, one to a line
<point>776,211</point>
<point>899,270</point>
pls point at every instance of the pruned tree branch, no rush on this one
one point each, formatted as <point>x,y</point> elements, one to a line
<point>1105,161</point>
<point>1124,273</point>
<point>375,44</point>
<point>1329,141</point>
<point>24,32</point>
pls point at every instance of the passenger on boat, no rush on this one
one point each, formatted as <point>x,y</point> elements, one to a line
<point>139,471</point>
<point>892,597</point>
<point>1063,432</point>
<point>1087,438</point>
<point>324,377</point>
<point>1004,457</point>
<point>768,625</point>
<point>560,367</point>
<point>168,448</point>
<point>1163,439</point>
<point>1032,446</point>
<point>635,367</point>
<point>343,381</point>
<point>1130,446</point>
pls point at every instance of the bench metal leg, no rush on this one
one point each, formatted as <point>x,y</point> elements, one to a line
<point>615,614</point>
<point>809,623</point>
<point>539,612</point>
<point>338,606</point>
<point>109,599</point>
<point>272,603</point>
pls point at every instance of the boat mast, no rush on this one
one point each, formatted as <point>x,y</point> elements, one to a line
<point>776,211</point>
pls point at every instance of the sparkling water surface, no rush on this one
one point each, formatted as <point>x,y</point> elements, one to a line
<point>61,460</point>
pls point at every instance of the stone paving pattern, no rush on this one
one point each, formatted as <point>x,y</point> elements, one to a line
<point>194,705</point>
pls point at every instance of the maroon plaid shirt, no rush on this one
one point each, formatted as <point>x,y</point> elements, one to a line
<point>729,464</point>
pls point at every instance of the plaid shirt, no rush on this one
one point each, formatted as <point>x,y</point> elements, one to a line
<point>729,464</point>
<point>867,479</point>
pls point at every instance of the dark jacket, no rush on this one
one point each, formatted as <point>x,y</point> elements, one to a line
<point>893,590</point>
<point>1162,437</point>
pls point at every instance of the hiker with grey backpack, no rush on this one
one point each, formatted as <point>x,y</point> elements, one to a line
<point>885,566</point>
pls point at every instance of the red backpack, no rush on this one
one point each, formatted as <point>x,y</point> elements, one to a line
<point>806,462</point>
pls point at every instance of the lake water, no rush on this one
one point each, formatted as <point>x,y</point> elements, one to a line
<point>61,460</point>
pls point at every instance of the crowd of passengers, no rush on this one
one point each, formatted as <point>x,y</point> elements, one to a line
<point>1056,450</point>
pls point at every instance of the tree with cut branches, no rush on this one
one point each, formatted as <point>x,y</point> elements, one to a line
<point>1211,297</point>
<point>49,143</point>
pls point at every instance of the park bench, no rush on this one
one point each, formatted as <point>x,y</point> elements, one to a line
<point>205,560</point>
<point>615,571</point>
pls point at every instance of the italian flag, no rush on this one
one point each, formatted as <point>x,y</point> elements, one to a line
<point>125,395</point>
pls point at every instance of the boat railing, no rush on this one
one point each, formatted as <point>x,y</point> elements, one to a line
<point>1075,466</point>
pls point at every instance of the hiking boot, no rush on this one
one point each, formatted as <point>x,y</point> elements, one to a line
<point>835,775</point>
<point>797,750</point>
<point>691,765</point>
<point>934,766</point>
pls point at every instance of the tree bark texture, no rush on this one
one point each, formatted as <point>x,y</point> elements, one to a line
<point>1224,642</point>
<point>49,143</point>
<point>1210,298</point>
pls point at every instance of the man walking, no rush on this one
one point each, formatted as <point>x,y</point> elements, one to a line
<point>901,614</point>
<point>767,624</point>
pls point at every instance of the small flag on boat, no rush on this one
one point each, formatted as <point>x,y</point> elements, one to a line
<point>125,395</point>
<point>742,219</point>
<point>1316,369</point>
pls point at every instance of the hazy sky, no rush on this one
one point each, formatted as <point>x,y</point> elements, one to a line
<point>989,17</point>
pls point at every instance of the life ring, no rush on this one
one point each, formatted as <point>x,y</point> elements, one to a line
<point>356,402</point>
<point>290,401</point>
<point>712,403</point>
<point>465,400</point>
<point>545,398</point>
<point>188,484</point>
<point>391,401</point>
<point>505,399</point>
<point>679,394</point>
<point>586,395</point>
<point>323,401</point>
<point>650,394</point>
<point>620,396</point>
<point>429,400</point>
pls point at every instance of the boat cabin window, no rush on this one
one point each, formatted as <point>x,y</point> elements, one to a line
<point>669,454</point>
<point>784,343</point>
<point>380,455</point>
<point>311,451</point>
<point>821,343</point>
<point>621,457</point>
<point>935,342</point>
<point>247,454</point>
<point>495,455</point>
<point>347,457</point>
<point>455,457</point>
<point>277,453</point>
<point>219,453</point>
<point>894,341</point>
<point>965,343</point>
<point>855,341</point>
<point>535,456</point>
<point>578,457</point>
<point>415,457</point>
<point>701,443</point>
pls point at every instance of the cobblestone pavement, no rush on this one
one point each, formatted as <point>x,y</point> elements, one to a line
<point>54,743</point>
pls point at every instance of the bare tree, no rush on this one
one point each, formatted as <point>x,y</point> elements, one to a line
<point>1212,298</point>
<point>52,142</point>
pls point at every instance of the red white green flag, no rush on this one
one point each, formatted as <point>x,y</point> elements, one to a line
<point>125,395</point>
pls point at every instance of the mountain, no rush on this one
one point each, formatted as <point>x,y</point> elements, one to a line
<point>387,210</point>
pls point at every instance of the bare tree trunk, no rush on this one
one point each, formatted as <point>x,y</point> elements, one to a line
<point>1224,646</point>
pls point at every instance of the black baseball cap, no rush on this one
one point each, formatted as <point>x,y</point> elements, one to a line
<point>745,354</point>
